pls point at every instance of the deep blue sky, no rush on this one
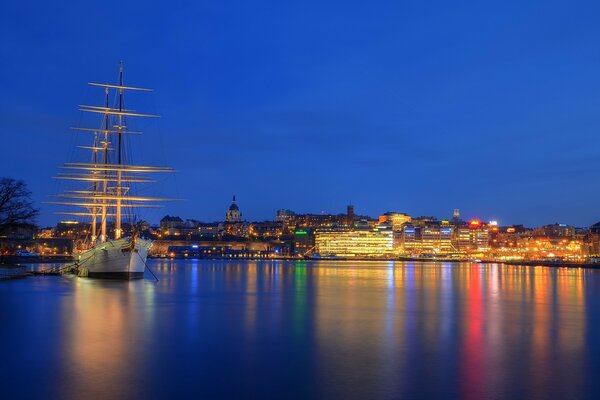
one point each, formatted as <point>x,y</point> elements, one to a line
<point>418,107</point>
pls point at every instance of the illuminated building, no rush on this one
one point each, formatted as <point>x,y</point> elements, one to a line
<point>284,215</point>
<point>473,237</point>
<point>265,229</point>
<point>71,230</point>
<point>233,225</point>
<point>171,226</point>
<point>237,229</point>
<point>45,233</point>
<point>355,243</point>
<point>594,239</point>
<point>445,242</point>
<point>462,239</point>
<point>304,242</point>
<point>480,236</point>
<point>481,239</point>
<point>209,229</point>
<point>394,220</point>
<point>292,221</point>
<point>233,213</point>
<point>424,221</point>
<point>537,248</point>
<point>411,238</point>
<point>559,230</point>
<point>429,239</point>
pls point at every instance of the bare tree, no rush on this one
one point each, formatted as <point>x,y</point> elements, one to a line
<point>16,206</point>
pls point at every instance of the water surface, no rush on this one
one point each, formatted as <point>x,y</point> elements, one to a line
<point>330,329</point>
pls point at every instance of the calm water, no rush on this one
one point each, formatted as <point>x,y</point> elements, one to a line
<point>220,329</point>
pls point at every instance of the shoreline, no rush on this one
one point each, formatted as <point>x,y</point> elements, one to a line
<point>10,262</point>
<point>526,263</point>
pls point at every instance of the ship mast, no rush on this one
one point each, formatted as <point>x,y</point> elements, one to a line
<point>104,172</point>
<point>110,181</point>
<point>94,189</point>
<point>119,139</point>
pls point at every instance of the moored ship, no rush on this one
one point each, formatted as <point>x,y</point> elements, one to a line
<point>110,177</point>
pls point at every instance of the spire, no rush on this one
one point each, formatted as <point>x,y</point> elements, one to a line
<point>233,198</point>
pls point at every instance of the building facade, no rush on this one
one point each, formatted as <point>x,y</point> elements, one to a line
<point>355,243</point>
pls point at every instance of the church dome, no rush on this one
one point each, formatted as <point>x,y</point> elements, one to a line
<point>233,214</point>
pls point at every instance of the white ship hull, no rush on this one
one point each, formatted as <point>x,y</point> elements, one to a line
<point>115,259</point>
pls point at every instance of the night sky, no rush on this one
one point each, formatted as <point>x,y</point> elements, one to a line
<point>416,107</point>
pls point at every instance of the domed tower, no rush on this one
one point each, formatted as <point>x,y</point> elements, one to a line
<point>233,214</point>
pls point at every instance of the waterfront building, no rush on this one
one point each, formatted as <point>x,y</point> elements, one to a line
<point>445,243</point>
<point>471,238</point>
<point>434,238</point>
<point>538,247</point>
<point>462,239</point>
<point>355,242</point>
<point>42,246</point>
<point>481,240</point>
<point>410,239</point>
<point>480,236</point>
<point>430,238</point>
<point>304,242</point>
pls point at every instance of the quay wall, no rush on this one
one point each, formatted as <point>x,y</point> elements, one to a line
<point>160,247</point>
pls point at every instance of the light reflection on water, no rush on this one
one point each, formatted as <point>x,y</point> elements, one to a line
<point>274,329</point>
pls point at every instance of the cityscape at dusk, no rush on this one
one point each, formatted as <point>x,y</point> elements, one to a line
<point>300,200</point>
<point>345,235</point>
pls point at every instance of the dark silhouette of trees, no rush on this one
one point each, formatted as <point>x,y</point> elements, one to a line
<point>16,206</point>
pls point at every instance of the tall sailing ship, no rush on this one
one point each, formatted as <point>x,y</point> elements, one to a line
<point>109,178</point>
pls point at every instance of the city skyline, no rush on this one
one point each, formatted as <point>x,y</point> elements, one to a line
<point>162,213</point>
<point>489,109</point>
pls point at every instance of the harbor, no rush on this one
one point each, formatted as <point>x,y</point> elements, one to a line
<point>299,200</point>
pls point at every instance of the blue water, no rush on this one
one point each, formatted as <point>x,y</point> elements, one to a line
<point>285,330</point>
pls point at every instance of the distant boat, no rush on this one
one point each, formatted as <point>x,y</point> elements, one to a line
<point>109,176</point>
